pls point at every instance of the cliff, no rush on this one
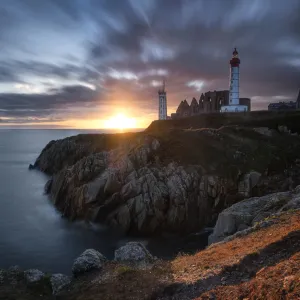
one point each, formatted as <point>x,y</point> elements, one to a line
<point>174,180</point>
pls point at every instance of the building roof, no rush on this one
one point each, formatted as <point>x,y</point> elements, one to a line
<point>194,102</point>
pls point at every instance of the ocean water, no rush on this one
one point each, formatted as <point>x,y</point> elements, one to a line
<point>32,232</point>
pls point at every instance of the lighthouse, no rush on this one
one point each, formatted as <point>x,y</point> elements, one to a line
<point>162,102</point>
<point>234,84</point>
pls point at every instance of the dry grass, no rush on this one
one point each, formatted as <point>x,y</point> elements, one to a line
<point>278,282</point>
<point>212,260</point>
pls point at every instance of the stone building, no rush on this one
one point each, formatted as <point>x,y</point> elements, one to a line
<point>282,106</point>
<point>285,105</point>
<point>208,102</point>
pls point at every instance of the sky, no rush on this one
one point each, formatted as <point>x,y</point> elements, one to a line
<point>78,63</point>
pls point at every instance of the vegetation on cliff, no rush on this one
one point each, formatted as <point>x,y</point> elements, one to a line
<point>174,180</point>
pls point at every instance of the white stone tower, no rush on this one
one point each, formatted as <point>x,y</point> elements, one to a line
<point>162,109</point>
<point>234,85</point>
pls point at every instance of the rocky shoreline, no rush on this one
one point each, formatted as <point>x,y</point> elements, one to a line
<point>133,254</point>
<point>177,181</point>
<point>93,274</point>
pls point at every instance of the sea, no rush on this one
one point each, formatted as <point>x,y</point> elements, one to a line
<point>32,232</point>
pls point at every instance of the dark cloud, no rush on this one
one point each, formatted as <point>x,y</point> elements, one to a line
<point>41,105</point>
<point>120,45</point>
<point>8,75</point>
<point>202,37</point>
<point>9,71</point>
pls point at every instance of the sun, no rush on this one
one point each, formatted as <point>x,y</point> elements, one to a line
<point>120,121</point>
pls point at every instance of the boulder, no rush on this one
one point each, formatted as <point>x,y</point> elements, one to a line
<point>13,275</point>
<point>58,281</point>
<point>14,270</point>
<point>31,167</point>
<point>250,211</point>
<point>33,275</point>
<point>135,253</point>
<point>89,260</point>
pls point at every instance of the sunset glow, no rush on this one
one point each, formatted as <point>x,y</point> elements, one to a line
<point>120,121</point>
<point>116,66</point>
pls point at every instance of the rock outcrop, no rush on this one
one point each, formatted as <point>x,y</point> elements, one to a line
<point>249,212</point>
<point>65,152</point>
<point>134,253</point>
<point>58,282</point>
<point>177,181</point>
<point>89,260</point>
<point>33,275</point>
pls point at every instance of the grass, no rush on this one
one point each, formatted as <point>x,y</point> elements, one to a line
<point>226,254</point>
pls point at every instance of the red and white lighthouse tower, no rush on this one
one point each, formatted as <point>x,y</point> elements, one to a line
<point>234,85</point>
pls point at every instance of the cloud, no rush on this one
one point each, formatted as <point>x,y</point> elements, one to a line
<point>33,105</point>
<point>7,75</point>
<point>114,52</point>
<point>27,88</point>
<point>122,75</point>
<point>197,84</point>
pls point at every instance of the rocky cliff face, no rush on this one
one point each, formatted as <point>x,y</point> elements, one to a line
<point>177,181</point>
<point>247,214</point>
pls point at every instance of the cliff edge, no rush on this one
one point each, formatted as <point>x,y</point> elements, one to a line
<point>177,180</point>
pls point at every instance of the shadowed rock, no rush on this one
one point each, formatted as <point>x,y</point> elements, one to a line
<point>89,260</point>
<point>248,212</point>
<point>33,275</point>
<point>58,281</point>
<point>135,253</point>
